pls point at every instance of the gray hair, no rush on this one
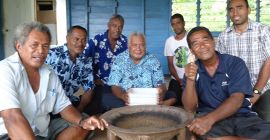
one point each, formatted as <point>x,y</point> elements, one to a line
<point>22,31</point>
<point>136,34</point>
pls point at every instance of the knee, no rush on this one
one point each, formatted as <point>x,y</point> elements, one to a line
<point>73,132</point>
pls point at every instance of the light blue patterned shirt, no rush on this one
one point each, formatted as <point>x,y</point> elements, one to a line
<point>126,74</point>
<point>72,75</point>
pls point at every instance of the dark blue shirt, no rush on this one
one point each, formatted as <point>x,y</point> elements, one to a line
<point>231,76</point>
<point>103,56</point>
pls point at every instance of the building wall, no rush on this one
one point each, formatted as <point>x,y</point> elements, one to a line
<point>15,12</point>
<point>2,53</point>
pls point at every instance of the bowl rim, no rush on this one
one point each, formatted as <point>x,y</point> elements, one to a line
<point>188,115</point>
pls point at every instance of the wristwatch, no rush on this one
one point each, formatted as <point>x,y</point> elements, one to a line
<point>256,91</point>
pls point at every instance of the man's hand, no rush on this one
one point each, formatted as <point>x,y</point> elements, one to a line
<point>91,123</point>
<point>161,93</point>
<point>98,82</point>
<point>179,82</point>
<point>191,71</point>
<point>201,125</point>
<point>125,98</point>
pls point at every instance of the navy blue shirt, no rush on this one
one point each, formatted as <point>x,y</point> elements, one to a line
<point>231,76</point>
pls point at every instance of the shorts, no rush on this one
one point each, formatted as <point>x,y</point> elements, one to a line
<point>56,126</point>
<point>251,127</point>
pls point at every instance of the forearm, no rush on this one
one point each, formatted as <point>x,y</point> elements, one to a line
<point>229,107</point>
<point>71,114</point>
<point>17,125</point>
<point>117,92</point>
<point>162,91</point>
<point>85,100</point>
<point>172,69</point>
<point>189,97</point>
<point>264,76</point>
<point>174,73</point>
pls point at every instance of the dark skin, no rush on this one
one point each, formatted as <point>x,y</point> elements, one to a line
<point>239,12</point>
<point>33,54</point>
<point>115,28</point>
<point>76,42</point>
<point>202,46</point>
<point>179,28</point>
<point>137,50</point>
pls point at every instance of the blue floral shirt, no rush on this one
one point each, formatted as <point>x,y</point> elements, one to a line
<point>126,74</point>
<point>103,56</point>
<point>72,75</point>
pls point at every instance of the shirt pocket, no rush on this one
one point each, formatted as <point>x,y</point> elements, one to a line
<point>47,105</point>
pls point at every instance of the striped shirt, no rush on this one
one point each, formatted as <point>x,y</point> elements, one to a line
<point>253,46</point>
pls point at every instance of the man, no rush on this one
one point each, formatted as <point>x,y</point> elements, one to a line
<point>217,87</point>
<point>136,68</point>
<point>250,41</point>
<point>177,51</point>
<point>104,48</point>
<point>73,68</point>
<point>30,91</point>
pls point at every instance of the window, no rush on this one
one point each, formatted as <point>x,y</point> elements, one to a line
<point>213,13</point>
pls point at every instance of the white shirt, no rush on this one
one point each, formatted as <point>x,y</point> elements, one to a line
<point>180,52</point>
<point>16,92</point>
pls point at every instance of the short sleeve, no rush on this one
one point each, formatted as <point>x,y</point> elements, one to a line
<point>116,73</point>
<point>266,41</point>
<point>220,43</point>
<point>239,78</point>
<point>9,97</point>
<point>167,50</point>
<point>87,75</point>
<point>158,77</point>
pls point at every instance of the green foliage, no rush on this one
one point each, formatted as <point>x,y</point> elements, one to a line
<point>213,13</point>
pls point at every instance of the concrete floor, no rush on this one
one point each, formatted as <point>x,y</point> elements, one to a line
<point>100,135</point>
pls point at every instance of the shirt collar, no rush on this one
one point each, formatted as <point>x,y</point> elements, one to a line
<point>250,27</point>
<point>144,58</point>
<point>121,37</point>
<point>65,50</point>
<point>15,58</point>
<point>220,68</point>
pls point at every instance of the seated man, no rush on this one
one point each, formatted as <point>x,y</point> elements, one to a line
<point>73,68</point>
<point>103,48</point>
<point>30,91</point>
<point>217,87</point>
<point>136,68</point>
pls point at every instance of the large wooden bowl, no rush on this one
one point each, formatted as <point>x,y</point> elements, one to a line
<point>147,122</point>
